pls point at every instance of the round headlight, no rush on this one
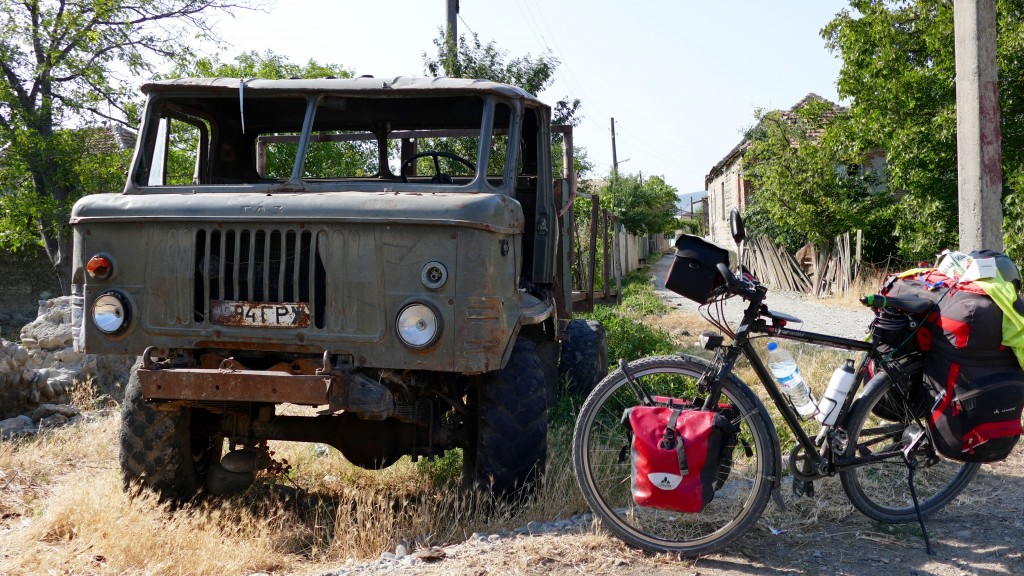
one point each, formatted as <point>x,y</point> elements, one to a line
<point>111,313</point>
<point>418,325</point>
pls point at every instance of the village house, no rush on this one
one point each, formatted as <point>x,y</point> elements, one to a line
<point>727,188</point>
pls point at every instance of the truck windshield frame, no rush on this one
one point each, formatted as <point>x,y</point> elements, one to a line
<point>326,142</point>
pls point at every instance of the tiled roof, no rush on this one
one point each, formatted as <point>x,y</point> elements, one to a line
<point>109,139</point>
<point>789,115</point>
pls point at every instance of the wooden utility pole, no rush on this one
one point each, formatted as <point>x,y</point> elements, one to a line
<point>452,31</point>
<point>978,137</point>
<point>616,257</point>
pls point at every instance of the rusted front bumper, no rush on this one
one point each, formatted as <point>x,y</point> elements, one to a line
<point>205,385</point>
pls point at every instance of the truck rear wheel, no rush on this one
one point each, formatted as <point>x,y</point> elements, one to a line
<point>167,451</point>
<point>584,359</point>
<point>507,455</point>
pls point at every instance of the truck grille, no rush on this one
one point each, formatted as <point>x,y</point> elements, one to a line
<point>258,265</point>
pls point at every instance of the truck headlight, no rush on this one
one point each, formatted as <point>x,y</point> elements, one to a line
<point>418,325</point>
<point>111,312</point>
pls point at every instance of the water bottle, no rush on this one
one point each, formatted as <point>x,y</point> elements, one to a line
<point>838,387</point>
<point>792,383</point>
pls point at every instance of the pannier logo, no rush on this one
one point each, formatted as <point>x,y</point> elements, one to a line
<point>664,481</point>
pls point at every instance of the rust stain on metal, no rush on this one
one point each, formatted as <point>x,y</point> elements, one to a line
<point>207,385</point>
<point>302,366</point>
<point>259,314</point>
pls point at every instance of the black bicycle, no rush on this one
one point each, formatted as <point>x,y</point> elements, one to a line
<point>879,445</point>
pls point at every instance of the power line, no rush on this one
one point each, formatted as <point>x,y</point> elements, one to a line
<point>467,25</point>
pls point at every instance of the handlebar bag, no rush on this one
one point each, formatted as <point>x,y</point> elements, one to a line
<point>978,399</point>
<point>694,271</point>
<point>677,455</point>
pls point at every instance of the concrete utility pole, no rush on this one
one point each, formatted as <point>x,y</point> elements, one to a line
<point>978,138</point>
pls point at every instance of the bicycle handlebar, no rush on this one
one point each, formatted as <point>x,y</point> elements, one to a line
<point>734,284</point>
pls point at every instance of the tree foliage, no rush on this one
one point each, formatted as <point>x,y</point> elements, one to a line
<point>899,73</point>
<point>644,206</point>
<point>66,65</point>
<point>810,181</point>
<point>474,59</point>
<point>252,64</point>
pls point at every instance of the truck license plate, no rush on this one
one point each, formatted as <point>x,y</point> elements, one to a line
<point>259,314</point>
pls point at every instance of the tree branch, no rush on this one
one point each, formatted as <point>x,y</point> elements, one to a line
<point>27,100</point>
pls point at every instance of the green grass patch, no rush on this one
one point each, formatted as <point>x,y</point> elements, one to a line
<point>628,337</point>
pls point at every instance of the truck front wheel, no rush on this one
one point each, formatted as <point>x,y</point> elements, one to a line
<point>167,451</point>
<point>507,453</point>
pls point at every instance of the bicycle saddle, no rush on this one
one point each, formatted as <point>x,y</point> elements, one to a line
<point>780,316</point>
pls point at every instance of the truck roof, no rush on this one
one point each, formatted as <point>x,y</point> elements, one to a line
<point>364,85</point>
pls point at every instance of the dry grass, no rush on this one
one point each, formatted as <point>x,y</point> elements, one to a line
<point>867,282</point>
<point>61,505</point>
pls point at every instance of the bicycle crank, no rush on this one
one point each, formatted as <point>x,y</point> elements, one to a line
<point>805,467</point>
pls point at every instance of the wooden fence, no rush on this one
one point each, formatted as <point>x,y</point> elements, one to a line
<point>821,272</point>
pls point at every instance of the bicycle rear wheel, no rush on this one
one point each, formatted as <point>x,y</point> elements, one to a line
<point>602,464</point>
<point>886,419</point>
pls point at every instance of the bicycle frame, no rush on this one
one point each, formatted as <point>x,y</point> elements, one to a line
<point>754,322</point>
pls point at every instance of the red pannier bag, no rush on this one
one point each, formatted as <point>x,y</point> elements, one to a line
<point>676,455</point>
<point>976,384</point>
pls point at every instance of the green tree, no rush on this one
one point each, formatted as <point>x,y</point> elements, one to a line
<point>61,66</point>
<point>808,180</point>
<point>899,73</point>
<point>474,59</point>
<point>252,64</point>
<point>644,206</point>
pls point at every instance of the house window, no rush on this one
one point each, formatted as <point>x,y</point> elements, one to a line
<point>723,202</point>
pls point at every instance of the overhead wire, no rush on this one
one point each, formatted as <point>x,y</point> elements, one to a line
<point>570,78</point>
<point>466,23</point>
<point>535,21</point>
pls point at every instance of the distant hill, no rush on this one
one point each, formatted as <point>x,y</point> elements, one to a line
<point>685,199</point>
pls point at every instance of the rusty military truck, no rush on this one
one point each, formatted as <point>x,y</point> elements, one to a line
<point>388,253</point>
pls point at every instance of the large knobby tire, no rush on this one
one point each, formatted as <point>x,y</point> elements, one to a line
<point>584,358</point>
<point>882,419</point>
<point>601,461</point>
<point>167,451</point>
<point>508,453</point>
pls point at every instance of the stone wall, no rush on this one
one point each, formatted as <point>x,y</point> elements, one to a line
<point>26,277</point>
<point>43,368</point>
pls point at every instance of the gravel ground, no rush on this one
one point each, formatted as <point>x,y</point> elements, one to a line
<point>817,316</point>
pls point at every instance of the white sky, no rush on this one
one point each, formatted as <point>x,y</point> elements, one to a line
<point>681,78</point>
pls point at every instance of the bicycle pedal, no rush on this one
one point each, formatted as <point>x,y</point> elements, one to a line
<point>803,488</point>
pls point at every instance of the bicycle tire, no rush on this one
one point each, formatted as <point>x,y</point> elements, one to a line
<point>743,489</point>
<point>881,490</point>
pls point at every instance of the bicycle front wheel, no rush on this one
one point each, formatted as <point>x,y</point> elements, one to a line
<point>888,420</point>
<point>602,464</point>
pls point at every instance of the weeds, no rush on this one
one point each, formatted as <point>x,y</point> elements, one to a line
<point>628,337</point>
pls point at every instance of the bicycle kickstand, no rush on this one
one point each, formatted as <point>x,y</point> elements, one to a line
<point>911,469</point>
